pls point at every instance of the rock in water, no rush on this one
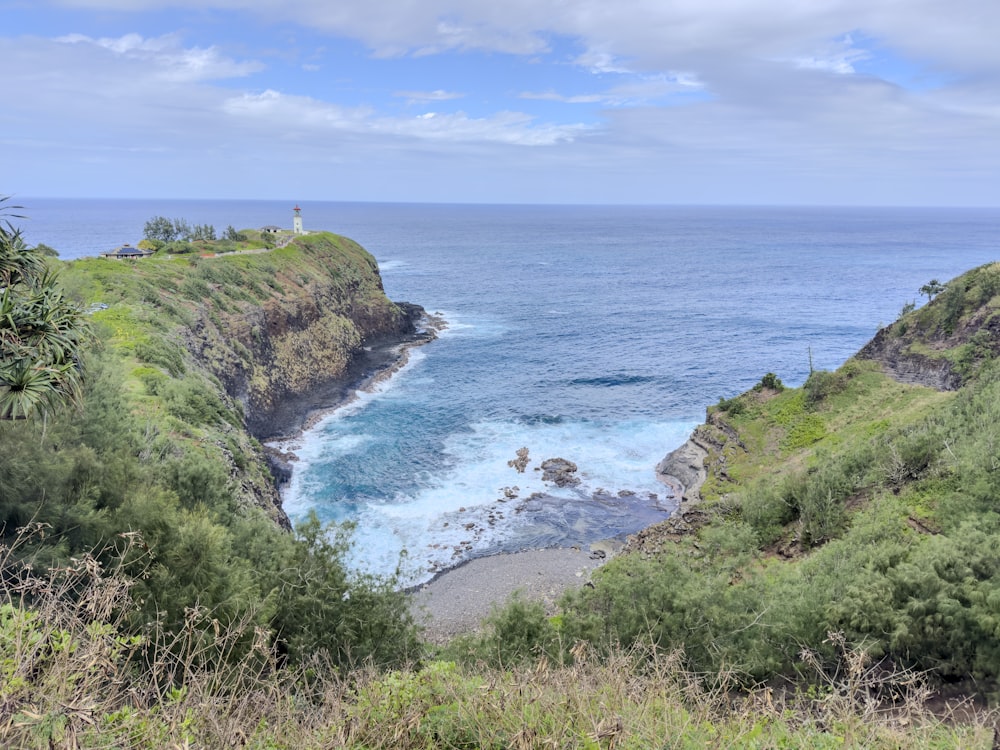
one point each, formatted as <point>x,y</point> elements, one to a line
<point>521,462</point>
<point>560,471</point>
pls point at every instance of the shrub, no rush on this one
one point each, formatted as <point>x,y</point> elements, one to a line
<point>732,406</point>
<point>822,384</point>
<point>517,633</point>
<point>157,351</point>
<point>323,610</point>
<point>193,402</point>
<point>767,511</point>
<point>771,382</point>
<point>821,515</point>
<point>198,480</point>
<point>179,248</point>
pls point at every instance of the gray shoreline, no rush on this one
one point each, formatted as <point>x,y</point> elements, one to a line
<point>457,600</point>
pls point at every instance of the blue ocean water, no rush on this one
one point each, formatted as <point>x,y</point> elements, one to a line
<point>594,334</point>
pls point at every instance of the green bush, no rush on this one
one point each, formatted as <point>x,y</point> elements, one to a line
<point>732,406</point>
<point>766,510</point>
<point>321,609</point>
<point>157,351</point>
<point>771,382</point>
<point>197,480</point>
<point>820,385</point>
<point>516,633</point>
<point>194,402</point>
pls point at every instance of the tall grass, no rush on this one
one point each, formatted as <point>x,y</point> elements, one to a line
<point>69,678</point>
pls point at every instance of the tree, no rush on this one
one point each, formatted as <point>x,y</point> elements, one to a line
<point>49,252</point>
<point>41,333</point>
<point>160,228</point>
<point>203,232</point>
<point>183,230</point>
<point>931,289</point>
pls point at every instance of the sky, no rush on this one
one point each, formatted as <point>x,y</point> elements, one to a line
<point>755,102</point>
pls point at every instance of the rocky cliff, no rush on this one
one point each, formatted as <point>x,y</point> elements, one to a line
<point>220,351</point>
<point>324,321</point>
<point>902,362</point>
<point>943,344</point>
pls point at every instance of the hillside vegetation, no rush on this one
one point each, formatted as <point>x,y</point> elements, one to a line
<point>153,470</point>
<point>855,512</point>
<point>838,571</point>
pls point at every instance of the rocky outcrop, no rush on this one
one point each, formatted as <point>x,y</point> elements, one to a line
<point>944,344</point>
<point>327,325</point>
<point>683,470</point>
<point>898,360</point>
<point>321,325</point>
<point>560,472</point>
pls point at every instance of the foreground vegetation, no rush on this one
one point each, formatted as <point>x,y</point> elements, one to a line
<point>72,678</point>
<point>840,571</point>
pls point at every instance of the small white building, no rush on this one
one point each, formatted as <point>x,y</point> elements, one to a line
<point>127,252</point>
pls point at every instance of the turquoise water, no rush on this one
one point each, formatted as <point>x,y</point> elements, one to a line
<point>594,334</point>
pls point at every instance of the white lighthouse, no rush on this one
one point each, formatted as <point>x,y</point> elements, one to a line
<point>297,221</point>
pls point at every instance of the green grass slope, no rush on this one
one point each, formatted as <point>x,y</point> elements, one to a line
<point>155,475</point>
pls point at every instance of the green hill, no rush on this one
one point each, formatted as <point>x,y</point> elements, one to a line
<point>209,347</point>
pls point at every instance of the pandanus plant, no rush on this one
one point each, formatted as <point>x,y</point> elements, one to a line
<point>41,332</point>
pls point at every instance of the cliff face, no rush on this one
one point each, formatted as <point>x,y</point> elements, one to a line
<point>219,352</point>
<point>945,343</point>
<point>299,347</point>
<point>905,364</point>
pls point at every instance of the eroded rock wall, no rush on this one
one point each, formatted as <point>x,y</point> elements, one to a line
<point>300,343</point>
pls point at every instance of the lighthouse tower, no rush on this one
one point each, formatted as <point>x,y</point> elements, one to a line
<point>297,221</point>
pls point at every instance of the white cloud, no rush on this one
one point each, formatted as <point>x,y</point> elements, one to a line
<point>438,95</point>
<point>167,58</point>
<point>781,104</point>
<point>599,62</point>
<point>511,128</point>
<point>304,118</point>
<point>647,33</point>
<point>636,91</point>
<point>552,96</point>
<point>840,58</point>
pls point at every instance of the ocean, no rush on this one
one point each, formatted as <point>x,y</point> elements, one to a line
<point>594,334</point>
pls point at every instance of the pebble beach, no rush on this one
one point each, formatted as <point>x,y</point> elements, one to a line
<point>458,600</point>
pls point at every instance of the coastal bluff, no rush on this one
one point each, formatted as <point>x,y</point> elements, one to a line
<point>325,319</point>
<point>222,351</point>
<point>941,346</point>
